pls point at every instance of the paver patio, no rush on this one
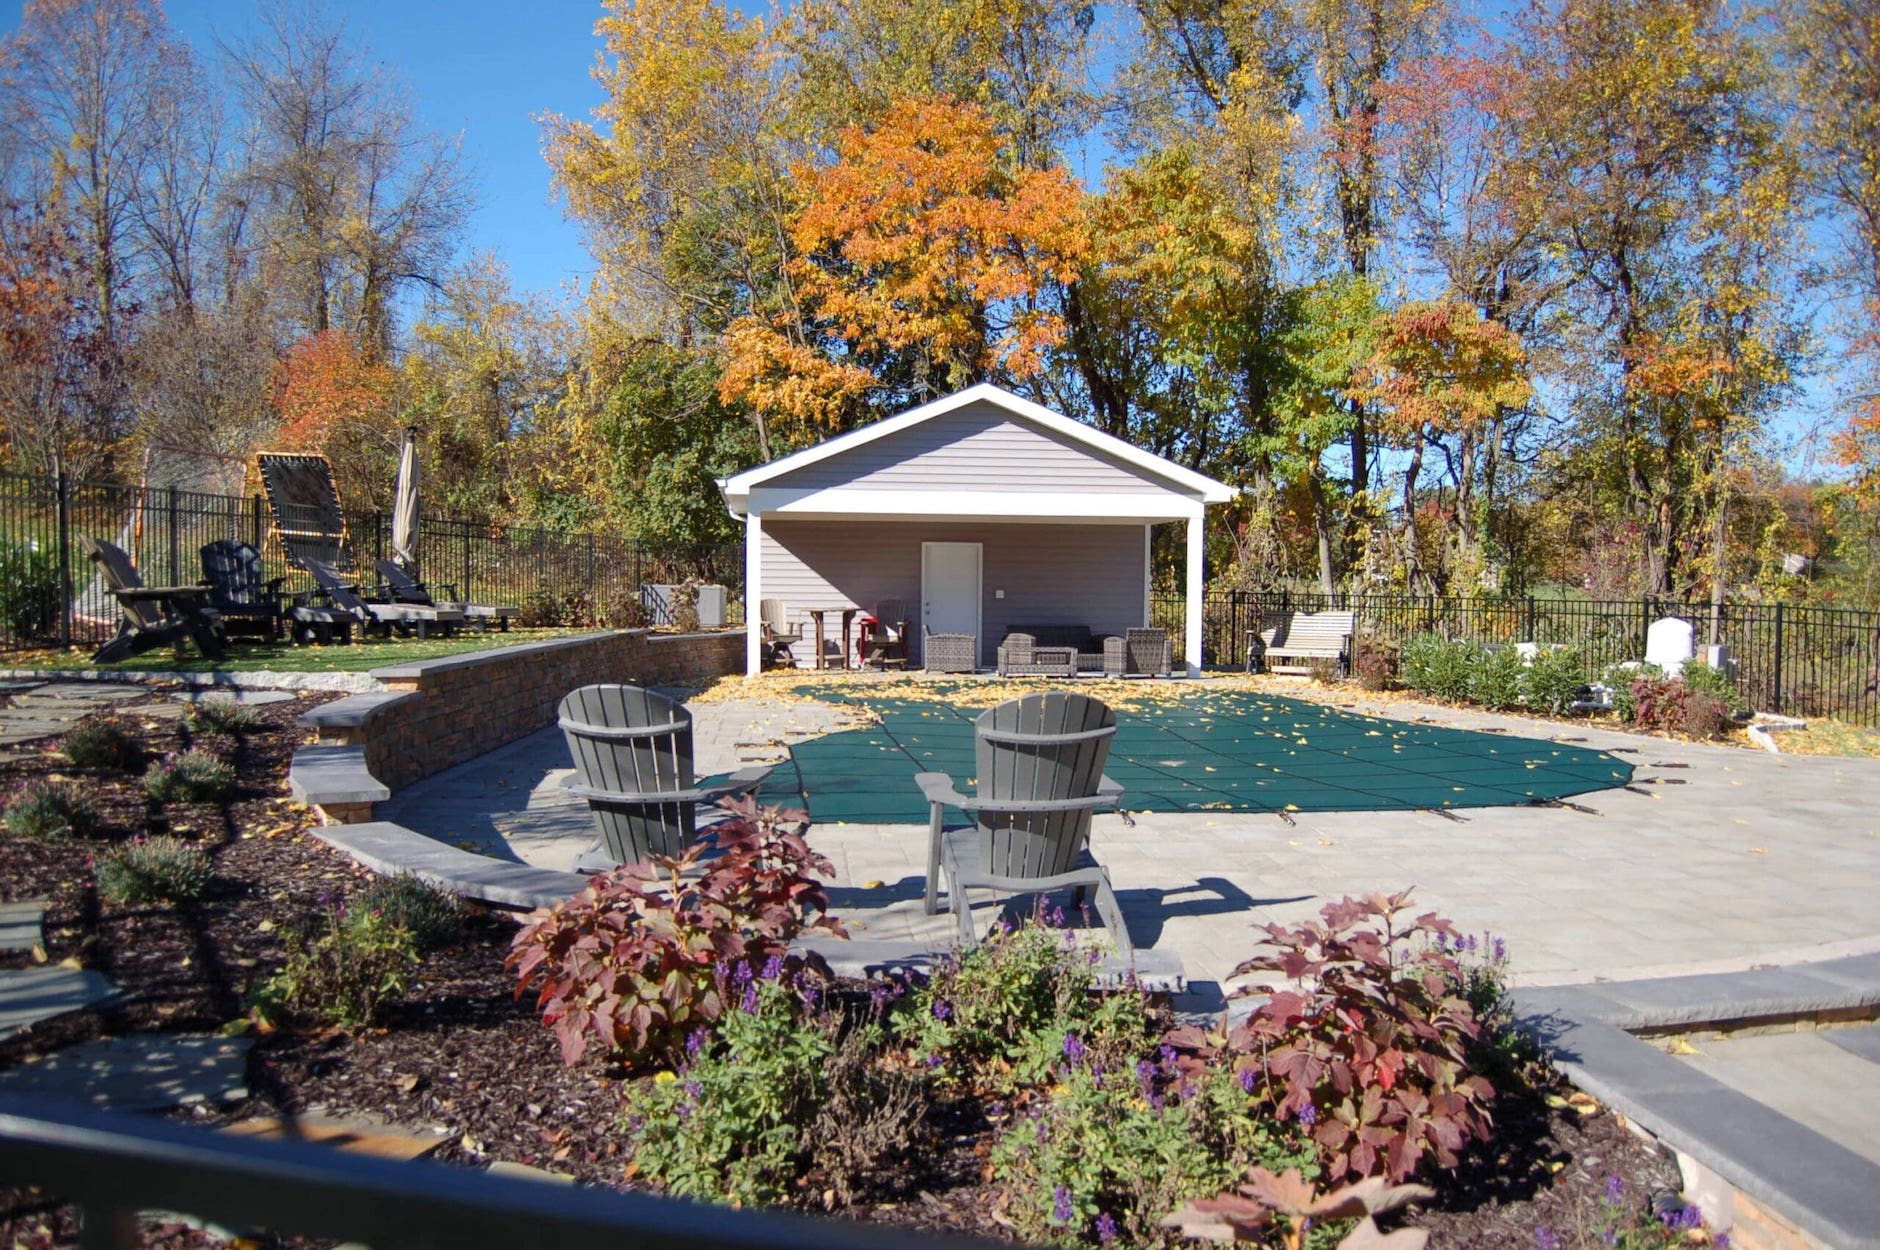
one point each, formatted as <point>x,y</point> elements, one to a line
<point>1717,859</point>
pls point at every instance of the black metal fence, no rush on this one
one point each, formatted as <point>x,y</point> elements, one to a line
<point>51,593</point>
<point>112,1165</point>
<point>1805,661</point>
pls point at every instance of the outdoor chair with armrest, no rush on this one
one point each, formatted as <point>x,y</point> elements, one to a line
<point>778,637</point>
<point>1040,765</point>
<point>154,616</point>
<point>1142,652</point>
<point>239,591</point>
<point>632,753</point>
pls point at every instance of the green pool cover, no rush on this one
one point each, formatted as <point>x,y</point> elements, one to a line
<point>1226,751</point>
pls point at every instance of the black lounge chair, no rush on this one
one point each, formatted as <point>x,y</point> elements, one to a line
<point>154,616</point>
<point>343,594</point>
<point>239,592</point>
<point>402,587</point>
<point>632,754</point>
<point>1040,765</point>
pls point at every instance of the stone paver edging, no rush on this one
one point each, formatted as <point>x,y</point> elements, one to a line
<point>387,848</point>
<point>262,679</point>
<point>1819,1185</point>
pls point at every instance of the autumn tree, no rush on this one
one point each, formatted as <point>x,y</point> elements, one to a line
<point>354,204</point>
<point>919,262</point>
<point>1441,377</point>
<point>334,398</point>
<point>1025,62</point>
<point>60,372</point>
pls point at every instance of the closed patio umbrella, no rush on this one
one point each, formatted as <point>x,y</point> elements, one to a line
<point>405,504</point>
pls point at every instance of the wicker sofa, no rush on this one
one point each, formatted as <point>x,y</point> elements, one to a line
<point>1089,646</point>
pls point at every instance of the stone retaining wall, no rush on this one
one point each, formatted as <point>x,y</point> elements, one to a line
<point>438,713</point>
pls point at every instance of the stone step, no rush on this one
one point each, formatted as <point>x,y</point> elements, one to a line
<point>355,1135</point>
<point>30,995</point>
<point>388,848</point>
<point>22,925</point>
<point>139,1072</point>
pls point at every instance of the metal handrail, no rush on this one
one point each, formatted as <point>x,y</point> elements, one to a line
<point>112,1165</point>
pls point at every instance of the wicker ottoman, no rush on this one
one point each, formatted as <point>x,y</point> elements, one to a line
<point>951,653</point>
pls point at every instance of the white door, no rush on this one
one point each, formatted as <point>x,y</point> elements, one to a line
<point>950,588</point>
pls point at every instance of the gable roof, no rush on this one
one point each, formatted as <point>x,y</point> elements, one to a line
<point>737,488</point>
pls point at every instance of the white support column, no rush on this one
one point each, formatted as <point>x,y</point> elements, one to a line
<point>753,593</point>
<point>1194,591</point>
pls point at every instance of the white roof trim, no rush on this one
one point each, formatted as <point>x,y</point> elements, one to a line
<point>738,486</point>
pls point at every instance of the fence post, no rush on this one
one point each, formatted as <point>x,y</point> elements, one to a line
<point>590,564</point>
<point>64,489</point>
<point>1777,699</point>
<point>176,569</point>
<point>1530,619</point>
<point>464,588</point>
<point>256,508</point>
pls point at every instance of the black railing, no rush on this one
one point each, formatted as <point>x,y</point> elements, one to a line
<point>1805,661</point>
<point>54,595</point>
<point>112,1165</point>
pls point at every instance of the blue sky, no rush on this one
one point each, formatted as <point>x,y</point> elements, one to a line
<point>480,68</point>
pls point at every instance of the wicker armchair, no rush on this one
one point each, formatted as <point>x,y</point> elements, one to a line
<point>949,653</point>
<point>1139,653</point>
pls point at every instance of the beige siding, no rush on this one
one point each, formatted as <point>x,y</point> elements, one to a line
<point>980,447</point>
<point>1051,574</point>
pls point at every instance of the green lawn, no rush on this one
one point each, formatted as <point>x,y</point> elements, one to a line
<point>253,655</point>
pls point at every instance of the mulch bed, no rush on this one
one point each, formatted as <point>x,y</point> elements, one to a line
<point>462,1060</point>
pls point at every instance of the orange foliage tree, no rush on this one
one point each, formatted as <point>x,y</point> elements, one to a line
<point>921,263</point>
<point>336,399</point>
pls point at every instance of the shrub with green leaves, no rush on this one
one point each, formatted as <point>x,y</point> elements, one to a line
<point>222,715</point>
<point>1554,679</point>
<point>730,1125</point>
<point>997,1016</point>
<point>341,973</point>
<point>1495,678</point>
<point>1438,667</point>
<point>102,742</point>
<point>195,776</point>
<point>433,918</point>
<point>1102,1156</point>
<point>30,590</point>
<point>1710,680</point>
<point>153,870</point>
<point>636,961</point>
<point>44,808</point>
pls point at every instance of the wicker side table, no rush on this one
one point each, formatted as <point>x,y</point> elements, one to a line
<point>951,653</point>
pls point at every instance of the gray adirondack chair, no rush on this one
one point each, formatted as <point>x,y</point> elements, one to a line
<point>154,616</point>
<point>632,753</point>
<point>239,588</point>
<point>342,592</point>
<point>1040,760</point>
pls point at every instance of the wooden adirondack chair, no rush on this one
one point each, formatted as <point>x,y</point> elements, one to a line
<point>777,635</point>
<point>154,616</point>
<point>238,591</point>
<point>1040,763</point>
<point>404,588</point>
<point>632,753</point>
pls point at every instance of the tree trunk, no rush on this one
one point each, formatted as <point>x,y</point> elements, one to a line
<point>1414,570</point>
<point>1322,524</point>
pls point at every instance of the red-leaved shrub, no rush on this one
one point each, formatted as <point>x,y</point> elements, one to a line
<point>1369,1050</point>
<point>645,954</point>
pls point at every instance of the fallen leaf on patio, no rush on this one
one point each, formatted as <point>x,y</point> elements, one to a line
<point>1325,842</point>
<point>871,885</point>
<point>1758,850</point>
<point>1678,1046</point>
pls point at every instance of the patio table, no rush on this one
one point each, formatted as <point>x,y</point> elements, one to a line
<point>1054,661</point>
<point>848,616</point>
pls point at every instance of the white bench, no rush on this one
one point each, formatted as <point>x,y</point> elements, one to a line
<point>1291,645</point>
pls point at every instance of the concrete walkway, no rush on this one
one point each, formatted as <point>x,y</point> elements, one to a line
<point>1718,859</point>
